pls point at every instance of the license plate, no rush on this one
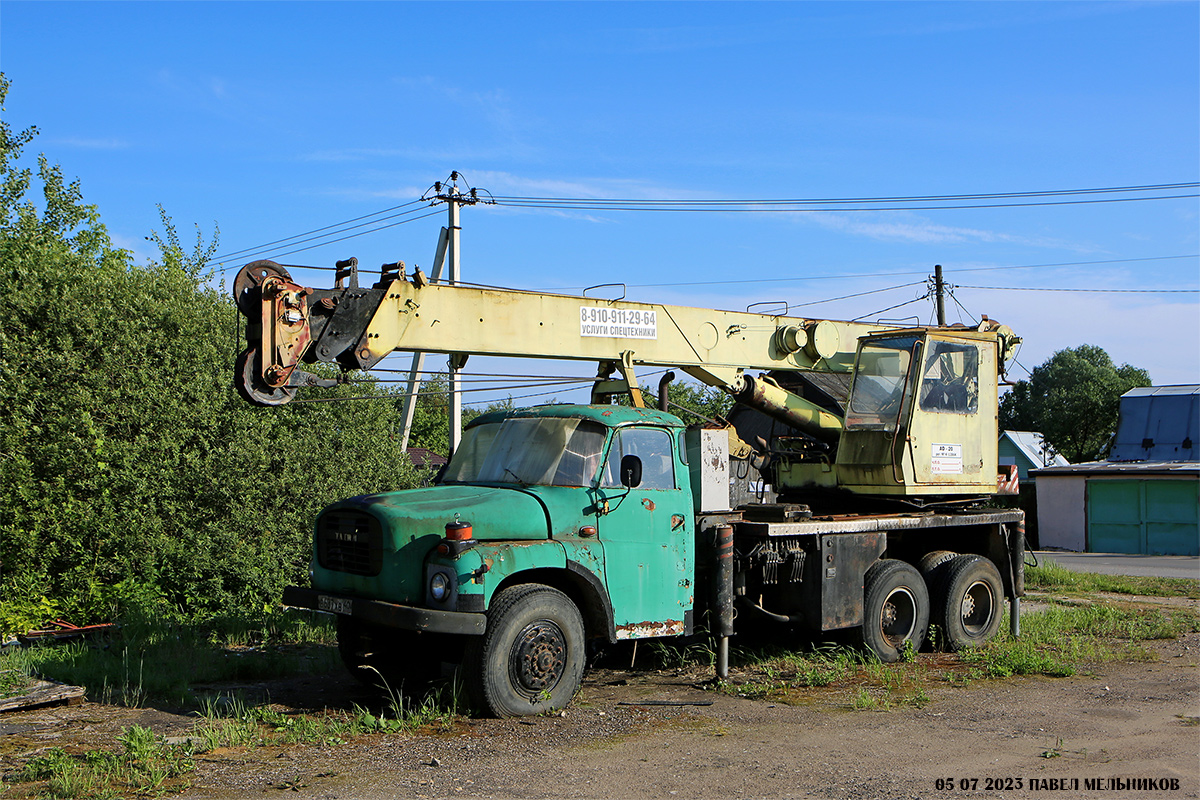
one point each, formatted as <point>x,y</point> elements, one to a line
<point>334,605</point>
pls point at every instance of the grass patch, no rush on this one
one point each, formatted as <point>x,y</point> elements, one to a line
<point>16,677</point>
<point>229,722</point>
<point>1049,576</point>
<point>1056,641</point>
<point>144,765</point>
<point>1059,641</point>
<point>147,661</point>
<point>168,663</point>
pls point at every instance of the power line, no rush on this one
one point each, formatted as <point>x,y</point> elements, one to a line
<point>847,276</point>
<point>258,248</point>
<point>892,308</point>
<point>734,205</point>
<point>341,239</point>
<point>964,201</point>
<point>857,294</point>
<point>1109,291</point>
<point>734,210</point>
<point>831,200</point>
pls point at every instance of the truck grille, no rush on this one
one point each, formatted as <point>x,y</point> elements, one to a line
<point>349,541</point>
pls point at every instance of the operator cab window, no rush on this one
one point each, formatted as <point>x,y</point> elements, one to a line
<point>950,382</point>
<point>879,383</point>
<point>653,447</point>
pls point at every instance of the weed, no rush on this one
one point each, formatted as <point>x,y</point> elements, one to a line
<point>867,701</point>
<point>145,765</point>
<point>667,654</point>
<point>16,677</point>
<point>1054,752</point>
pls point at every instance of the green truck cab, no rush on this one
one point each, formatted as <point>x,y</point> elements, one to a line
<point>550,526</point>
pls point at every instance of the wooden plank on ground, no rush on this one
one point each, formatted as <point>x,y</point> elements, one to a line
<point>43,693</point>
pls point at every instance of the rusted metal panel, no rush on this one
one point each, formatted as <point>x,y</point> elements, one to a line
<point>708,464</point>
<point>650,628</point>
<point>844,559</point>
<point>876,522</point>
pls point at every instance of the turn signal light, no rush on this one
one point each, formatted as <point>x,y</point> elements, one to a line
<point>458,531</point>
<point>587,530</point>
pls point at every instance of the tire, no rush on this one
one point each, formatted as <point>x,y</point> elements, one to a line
<point>895,609</point>
<point>968,601</point>
<point>531,658</point>
<point>383,657</point>
<point>931,561</point>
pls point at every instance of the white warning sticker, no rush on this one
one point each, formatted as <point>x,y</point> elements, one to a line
<point>621,323</point>
<point>946,459</point>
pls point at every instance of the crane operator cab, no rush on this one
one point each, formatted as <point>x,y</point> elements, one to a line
<point>919,405</point>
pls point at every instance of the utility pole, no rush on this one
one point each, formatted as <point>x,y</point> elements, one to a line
<point>448,255</point>
<point>418,358</point>
<point>939,293</point>
<point>455,362</point>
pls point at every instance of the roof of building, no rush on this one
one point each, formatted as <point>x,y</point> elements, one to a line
<point>1179,469</point>
<point>1033,446</point>
<point>1158,423</point>
<point>420,457</point>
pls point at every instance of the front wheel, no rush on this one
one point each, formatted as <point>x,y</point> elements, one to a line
<point>895,609</point>
<point>531,658</point>
<point>968,598</point>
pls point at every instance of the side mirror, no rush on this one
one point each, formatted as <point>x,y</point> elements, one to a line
<point>631,471</point>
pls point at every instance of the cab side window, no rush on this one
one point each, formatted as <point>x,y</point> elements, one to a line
<point>653,447</point>
<point>950,384</point>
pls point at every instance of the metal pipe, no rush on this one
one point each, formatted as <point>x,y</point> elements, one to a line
<point>767,396</point>
<point>788,619</point>
<point>723,598</point>
<point>664,403</point>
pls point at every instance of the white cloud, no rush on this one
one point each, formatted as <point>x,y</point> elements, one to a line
<point>906,227</point>
<point>598,188</point>
<point>1159,335</point>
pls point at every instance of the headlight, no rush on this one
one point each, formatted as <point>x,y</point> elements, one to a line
<point>439,587</point>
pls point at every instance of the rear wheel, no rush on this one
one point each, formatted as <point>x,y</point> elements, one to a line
<point>932,560</point>
<point>968,598</point>
<point>531,658</point>
<point>895,609</point>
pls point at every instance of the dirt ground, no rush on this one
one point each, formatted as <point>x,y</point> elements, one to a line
<point>660,734</point>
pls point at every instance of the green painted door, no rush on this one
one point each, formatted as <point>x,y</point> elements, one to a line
<point>1114,512</point>
<point>1173,517</point>
<point>647,536</point>
<point>1156,517</point>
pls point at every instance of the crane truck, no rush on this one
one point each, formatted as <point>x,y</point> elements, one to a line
<point>555,525</point>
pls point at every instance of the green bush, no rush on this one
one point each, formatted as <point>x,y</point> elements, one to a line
<point>126,457</point>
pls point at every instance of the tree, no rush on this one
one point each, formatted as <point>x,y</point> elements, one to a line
<point>1072,400</point>
<point>125,453</point>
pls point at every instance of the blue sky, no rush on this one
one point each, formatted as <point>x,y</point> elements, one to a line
<point>271,119</point>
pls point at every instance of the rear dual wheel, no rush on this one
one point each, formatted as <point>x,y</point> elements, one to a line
<point>895,609</point>
<point>968,600</point>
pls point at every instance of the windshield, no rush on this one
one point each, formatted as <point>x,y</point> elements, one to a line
<point>879,382</point>
<point>529,450</point>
